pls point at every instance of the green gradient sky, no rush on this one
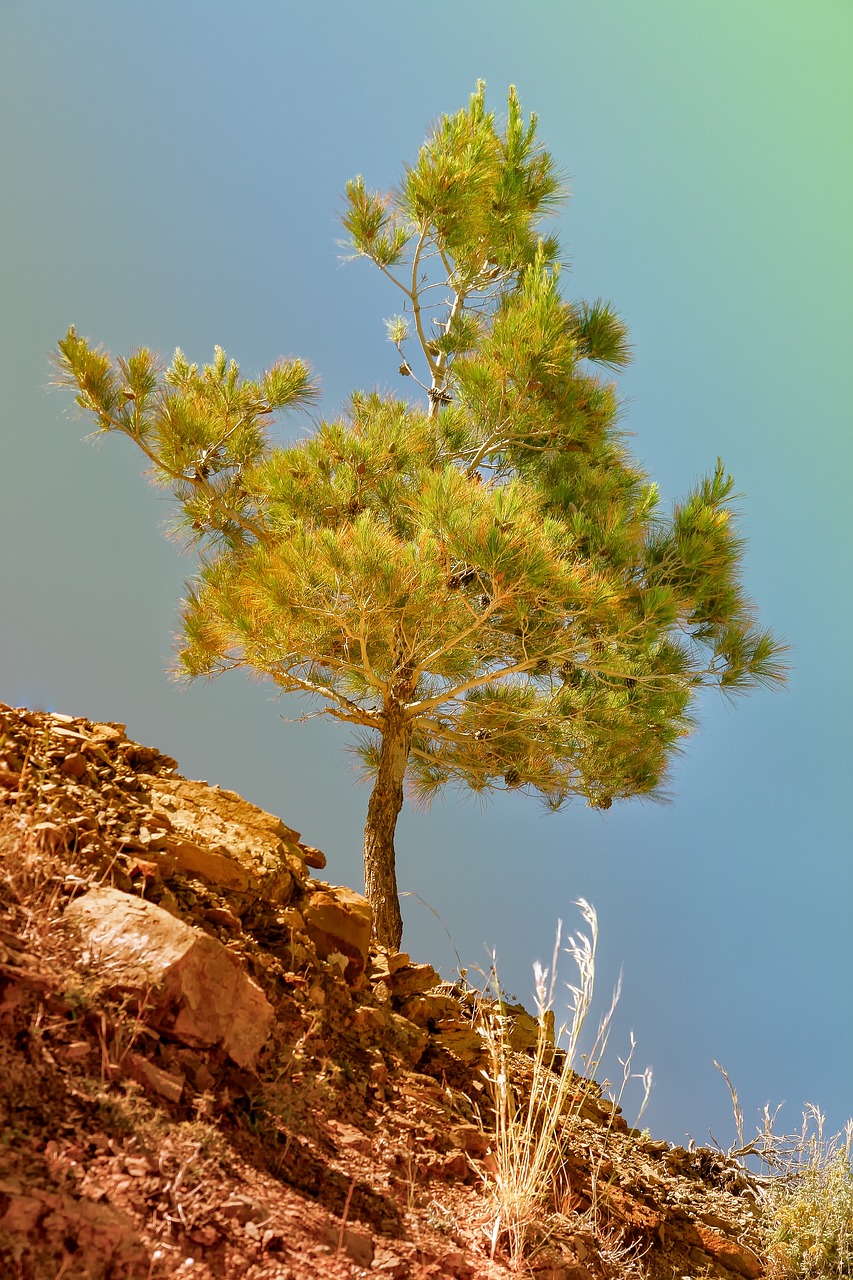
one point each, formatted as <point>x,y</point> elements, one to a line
<point>170,174</point>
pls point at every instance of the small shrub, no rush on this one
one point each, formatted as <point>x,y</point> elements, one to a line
<point>808,1211</point>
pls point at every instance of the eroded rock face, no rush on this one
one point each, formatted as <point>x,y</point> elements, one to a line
<point>729,1252</point>
<point>223,871</point>
<point>220,836</point>
<point>189,984</point>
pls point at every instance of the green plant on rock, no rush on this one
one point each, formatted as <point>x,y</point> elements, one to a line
<point>808,1211</point>
<point>482,584</point>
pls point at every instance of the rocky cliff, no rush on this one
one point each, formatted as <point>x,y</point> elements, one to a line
<point>207,1069</point>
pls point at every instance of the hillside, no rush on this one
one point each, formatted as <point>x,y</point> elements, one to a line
<point>208,1070</point>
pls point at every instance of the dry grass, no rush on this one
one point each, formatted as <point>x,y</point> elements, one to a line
<point>31,875</point>
<point>37,876</point>
<point>525,1176</point>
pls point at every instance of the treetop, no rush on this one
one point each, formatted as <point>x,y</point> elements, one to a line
<point>489,569</point>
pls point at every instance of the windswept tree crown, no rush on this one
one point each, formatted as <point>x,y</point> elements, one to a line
<point>486,578</point>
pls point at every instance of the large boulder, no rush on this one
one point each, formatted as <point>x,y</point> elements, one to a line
<point>188,984</point>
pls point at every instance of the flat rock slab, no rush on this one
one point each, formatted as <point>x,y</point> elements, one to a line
<point>193,988</point>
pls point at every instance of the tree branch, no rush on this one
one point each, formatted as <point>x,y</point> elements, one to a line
<point>391,277</point>
<point>367,666</point>
<point>197,481</point>
<point>461,636</point>
<point>416,305</point>
<point>427,704</point>
<point>344,709</point>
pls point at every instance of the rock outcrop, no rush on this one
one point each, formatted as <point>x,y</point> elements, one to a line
<point>221,837</point>
<point>203,1055</point>
<point>124,810</point>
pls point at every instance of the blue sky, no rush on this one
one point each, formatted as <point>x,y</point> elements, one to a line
<point>172,175</point>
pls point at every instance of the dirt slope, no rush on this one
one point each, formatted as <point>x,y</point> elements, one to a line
<point>358,1140</point>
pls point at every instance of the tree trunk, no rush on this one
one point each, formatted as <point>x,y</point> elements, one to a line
<point>386,800</point>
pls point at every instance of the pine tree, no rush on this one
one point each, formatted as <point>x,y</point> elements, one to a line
<point>483,583</point>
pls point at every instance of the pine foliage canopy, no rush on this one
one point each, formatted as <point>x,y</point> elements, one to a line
<point>486,576</point>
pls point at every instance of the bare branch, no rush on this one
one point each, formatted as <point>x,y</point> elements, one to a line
<point>391,277</point>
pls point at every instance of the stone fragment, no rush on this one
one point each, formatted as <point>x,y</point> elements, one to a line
<point>388,1265</point>
<point>244,1209</point>
<point>339,919</point>
<point>467,1137</point>
<point>70,734</point>
<point>194,859</point>
<point>454,1263</point>
<point>377,968</point>
<point>426,1010</point>
<point>346,1137</point>
<point>368,1019</point>
<point>102,735</point>
<point>166,1083</point>
<point>311,857</point>
<point>290,918</point>
<point>9,774</point>
<point>188,983</point>
<point>635,1213</point>
<point>409,1040</point>
<point>196,801</point>
<point>159,820</point>
<point>51,836</point>
<point>522,1029</point>
<point>714,1220</point>
<point>222,916</point>
<point>75,766</point>
<point>731,1253</point>
<point>412,978</point>
<point>262,851</point>
<point>144,869</point>
<point>465,1043</point>
<point>450,1166</point>
<point>82,822</point>
<point>137,756</point>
